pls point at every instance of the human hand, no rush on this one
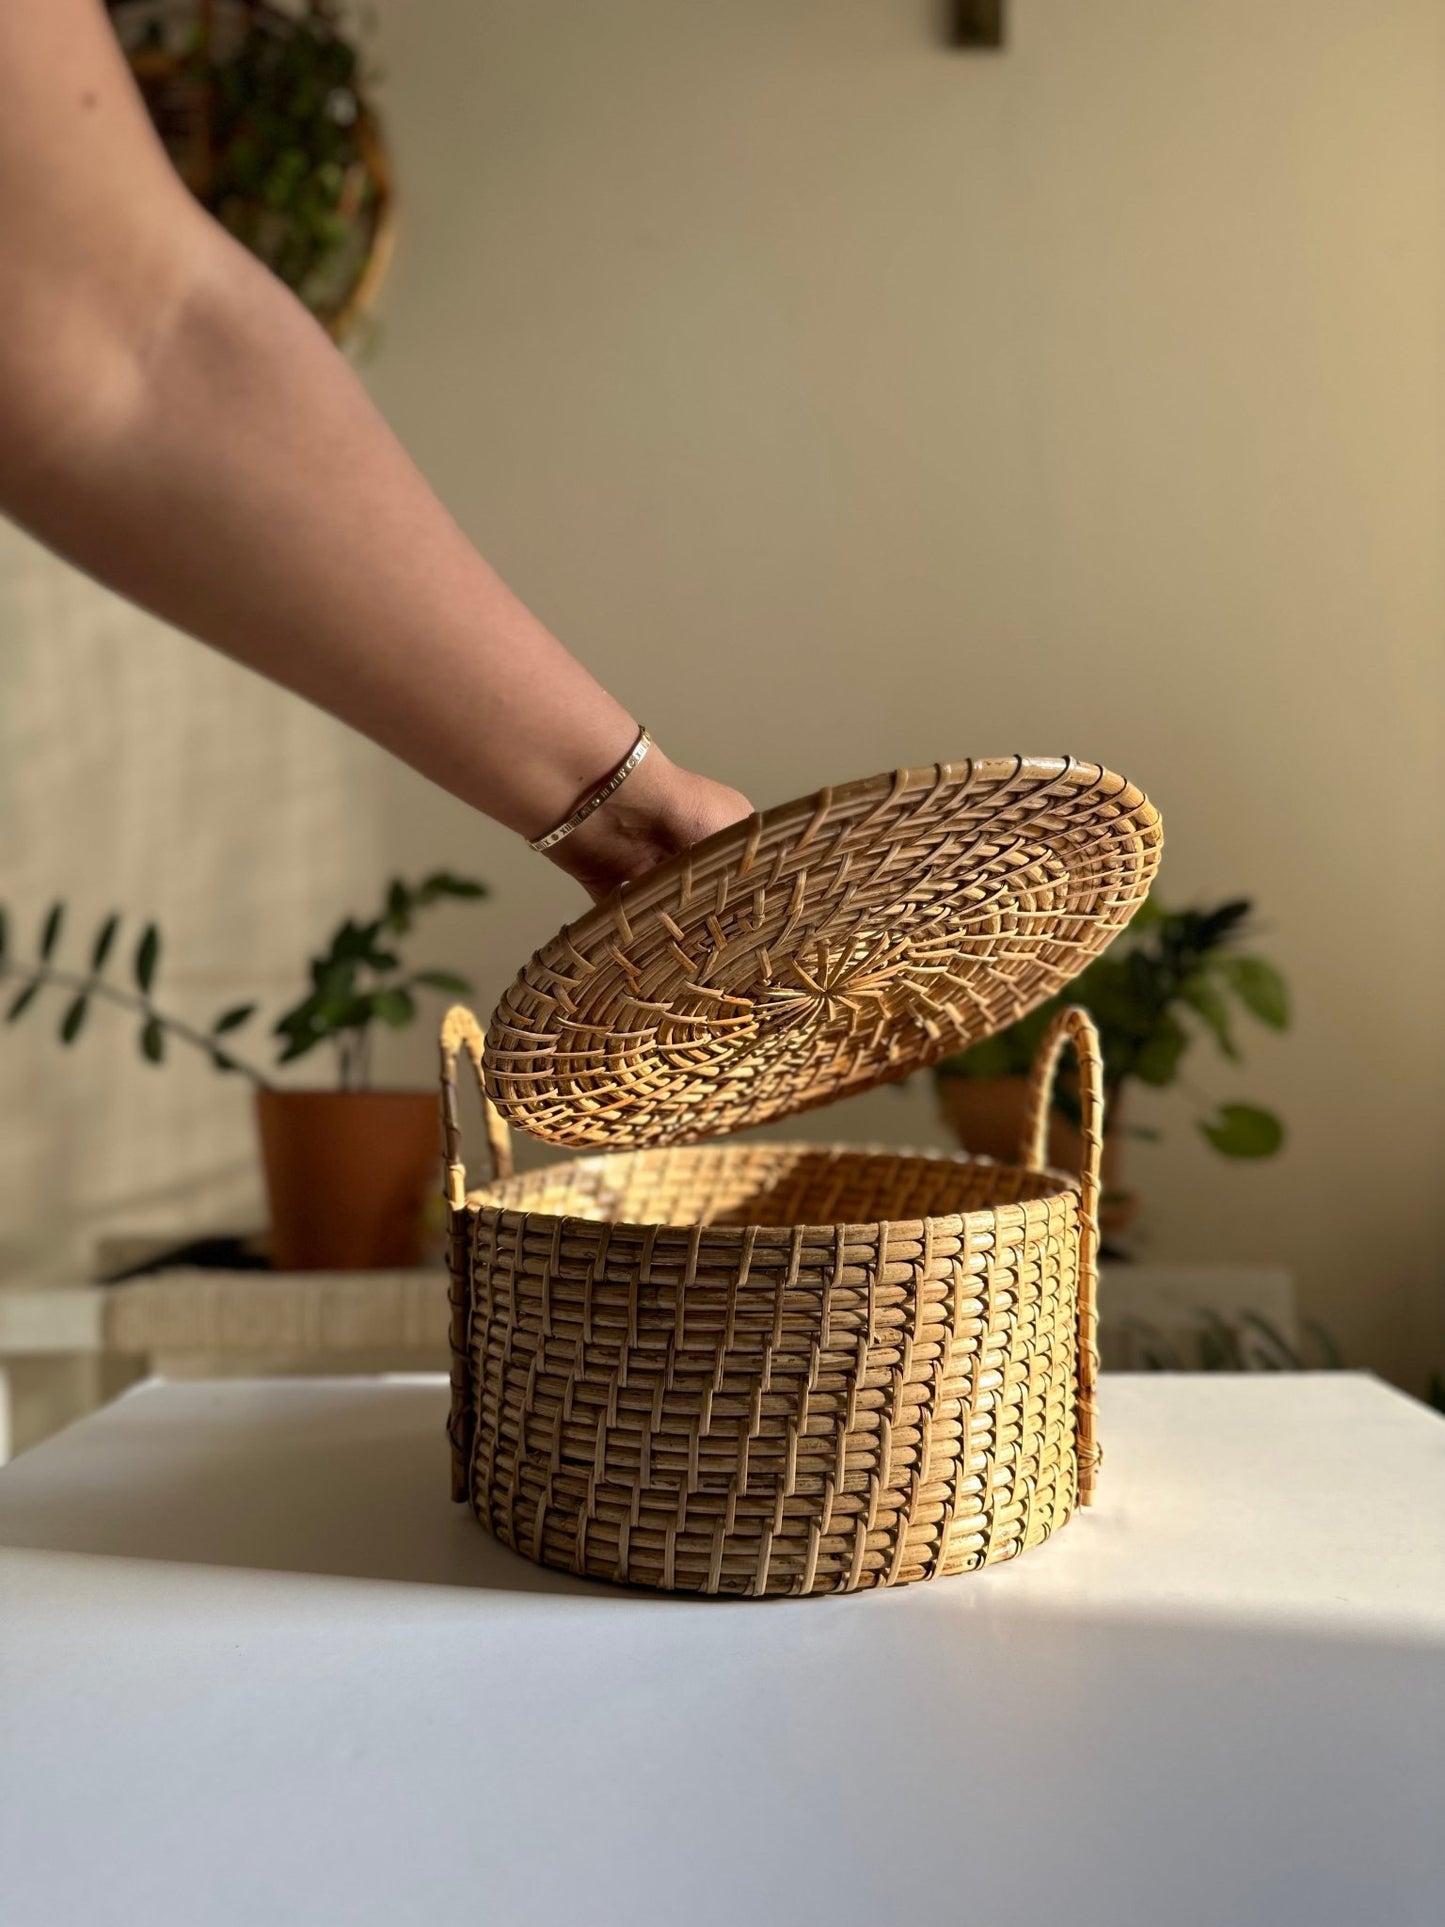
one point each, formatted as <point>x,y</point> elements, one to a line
<point>658,812</point>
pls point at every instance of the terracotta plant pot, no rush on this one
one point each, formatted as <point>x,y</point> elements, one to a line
<point>349,1176</point>
<point>986,1114</point>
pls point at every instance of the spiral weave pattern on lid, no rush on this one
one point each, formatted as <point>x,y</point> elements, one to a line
<point>821,948</point>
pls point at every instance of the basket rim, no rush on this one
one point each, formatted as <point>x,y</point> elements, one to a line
<point>482,1198</point>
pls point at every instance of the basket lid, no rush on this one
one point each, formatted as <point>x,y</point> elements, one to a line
<point>820,948</point>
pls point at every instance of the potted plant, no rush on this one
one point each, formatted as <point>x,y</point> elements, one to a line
<point>1173,979</point>
<point>349,1170</point>
<point>263,110</point>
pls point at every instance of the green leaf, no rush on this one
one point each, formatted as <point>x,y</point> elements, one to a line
<point>23,1001</point>
<point>352,943</point>
<point>1243,1131</point>
<point>153,1041</point>
<point>999,1056</point>
<point>104,941</point>
<point>1325,1345</point>
<point>1207,1002</point>
<point>74,1017</point>
<point>1280,1354</point>
<point>1260,988</point>
<point>1157,1063</point>
<point>298,1047</point>
<point>351,1012</point>
<point>301,1018</point>
<point>333,980</point>
<point>147,956</point>
<point>1216,927</point>
<point>442,883</point>
<point>444,980</point>
<point>222,1062</point>
<point>50,931</point>
<point>232,1019</point>
<point>398,907</point>
<point>1219,1347</point>
<point>394,1007</point>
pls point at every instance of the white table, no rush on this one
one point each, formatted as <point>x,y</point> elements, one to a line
<point>255,1669</point>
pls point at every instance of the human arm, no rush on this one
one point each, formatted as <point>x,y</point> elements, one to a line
<point>173,421</point>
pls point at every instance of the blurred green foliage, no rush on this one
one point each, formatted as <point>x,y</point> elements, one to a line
<point>1174,978</point>
<point>357,982</point>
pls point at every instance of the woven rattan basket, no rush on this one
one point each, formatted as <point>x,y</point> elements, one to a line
<point>779,1368</point>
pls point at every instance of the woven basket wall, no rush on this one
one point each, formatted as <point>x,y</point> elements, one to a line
<point>775,1369</point>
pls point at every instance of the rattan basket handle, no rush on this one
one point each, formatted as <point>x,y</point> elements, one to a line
<point>461,1032</point>
<point>1075,1026</point>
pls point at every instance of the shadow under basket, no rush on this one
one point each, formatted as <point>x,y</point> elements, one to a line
<point>775,1369</point>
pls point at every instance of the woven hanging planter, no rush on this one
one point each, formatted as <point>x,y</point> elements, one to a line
<point>775,1368</point>
<point>262,112</point>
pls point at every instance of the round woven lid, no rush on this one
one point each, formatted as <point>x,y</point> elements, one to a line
<point>821,948</point>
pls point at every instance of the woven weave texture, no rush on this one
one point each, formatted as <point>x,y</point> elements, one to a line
<point>821,948</point>
<point>774,1385</point>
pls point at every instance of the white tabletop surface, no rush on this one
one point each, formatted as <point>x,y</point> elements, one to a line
<point>255,1668</point>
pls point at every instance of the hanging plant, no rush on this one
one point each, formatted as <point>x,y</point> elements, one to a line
<point>265,115</point>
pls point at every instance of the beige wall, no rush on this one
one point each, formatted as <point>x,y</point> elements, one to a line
<point>849,401</point>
